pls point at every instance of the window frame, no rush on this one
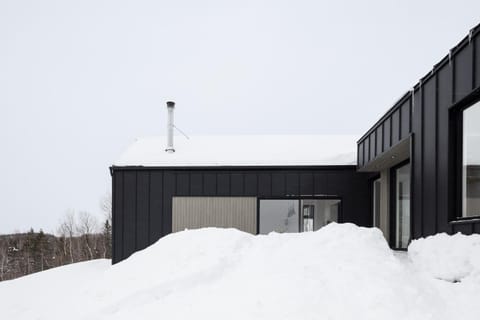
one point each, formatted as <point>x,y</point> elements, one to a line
<point>393,204</point>
<point>299,198</point>
<point>455,166</point>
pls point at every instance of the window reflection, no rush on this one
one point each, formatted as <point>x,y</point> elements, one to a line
<point>471,161</point>
<point>402,206</point>
<point>294,215</point>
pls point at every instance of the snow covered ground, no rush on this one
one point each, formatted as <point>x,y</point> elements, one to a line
<point>339,272</point>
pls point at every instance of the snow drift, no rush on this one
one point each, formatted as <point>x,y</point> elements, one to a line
<point>339,272</point>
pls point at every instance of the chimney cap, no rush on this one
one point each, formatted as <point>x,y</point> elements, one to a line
<point>170,104</point>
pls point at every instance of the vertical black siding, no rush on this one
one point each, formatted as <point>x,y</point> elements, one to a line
<point>143,197</point>
<point>379,136</point>
<point>223,184</point>
<point>143,186</point>
<point>416,163</point>
<point>429,178</point>
<point>130,212</point>
<point>444,95</point>
<point>360,154</point>
<point>405,120</point>
<point>387,134</point>
<point>117,218</point>
<point>155,205</point>
<point>395,127</point>
<point>306,184</point>
<point>463,73</point>
<point>372,145</point>
<point>236,184</point>
<point>196,183</point>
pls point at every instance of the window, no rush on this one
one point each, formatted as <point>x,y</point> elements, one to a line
<point>376,203</point>
<point>279,215</point>
<point>402,232</point>
<point>296,215</point>
<point>471,161</point>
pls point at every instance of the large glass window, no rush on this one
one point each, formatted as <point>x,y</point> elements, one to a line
<point>296,215</point>
<point>279,215</point>
<point>402,207</point>
<point>471,161</point>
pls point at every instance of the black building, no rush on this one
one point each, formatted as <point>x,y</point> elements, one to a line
<point>417,173</point>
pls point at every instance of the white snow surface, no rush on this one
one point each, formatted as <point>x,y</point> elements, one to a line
<point>339,272</point>
<point>247,150</point>
<point>451,258</point>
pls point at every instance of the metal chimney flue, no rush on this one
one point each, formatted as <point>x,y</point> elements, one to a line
<point>170,125</point>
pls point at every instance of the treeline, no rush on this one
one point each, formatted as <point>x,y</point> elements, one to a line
<point>79,238</point>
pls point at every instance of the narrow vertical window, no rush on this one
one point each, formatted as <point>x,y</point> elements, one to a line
<point>402,207</point>
<point>471,161</point>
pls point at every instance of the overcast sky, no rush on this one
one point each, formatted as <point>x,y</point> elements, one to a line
<point>79,80</point>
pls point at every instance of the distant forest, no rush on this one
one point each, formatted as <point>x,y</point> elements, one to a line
<point>78,238</point>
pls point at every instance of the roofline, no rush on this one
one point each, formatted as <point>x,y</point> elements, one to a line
<point>446,59</point>
<point>114,168</point>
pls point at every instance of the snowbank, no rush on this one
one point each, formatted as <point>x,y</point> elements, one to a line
<point>339,272</point>
<point>447,257</point>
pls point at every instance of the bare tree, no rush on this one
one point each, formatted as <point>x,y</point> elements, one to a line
<point>87,225</point>
<point>67,228</point>
<point>106,207</point>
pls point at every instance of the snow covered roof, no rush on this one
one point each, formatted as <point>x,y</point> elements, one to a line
<point>247,150</point>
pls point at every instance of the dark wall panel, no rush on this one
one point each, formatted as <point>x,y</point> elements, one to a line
<point>395,127</point>
<point>236,184</point>
<point>278,184</point>
<point>292,183</point>
<point>156,205</point>
<point>196,183</point>
<point>265,184</point>
<point>223,184</point>
<point>476,227</point>
<point>143,219</point>
<point>387,134</point>
<point>320,183</point>
<point>429,157</point>
<point>306,183</point>
<point>209,184</point>
<point>465,228</point>
<point>379,142</point>
<point>417,164</point>
<point>405,119</point>
<point>444,96</point>
<point>251,184</point>
<point>360,154</point>
<point>463,72</point>
<point>130,214</point>
<point>367,149</point>
<point>168,192</point>
<point>183,183</point>
<point>372,145</point>
<point>117,218</point>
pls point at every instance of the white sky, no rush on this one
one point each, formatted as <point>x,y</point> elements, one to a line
<point>79,80</point>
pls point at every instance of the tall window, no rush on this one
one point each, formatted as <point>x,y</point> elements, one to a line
<point>402,207</point>
<point>471,161</point>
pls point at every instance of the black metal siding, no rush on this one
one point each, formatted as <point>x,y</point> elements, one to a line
<point>451,84</point>
<point>143,196</point>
